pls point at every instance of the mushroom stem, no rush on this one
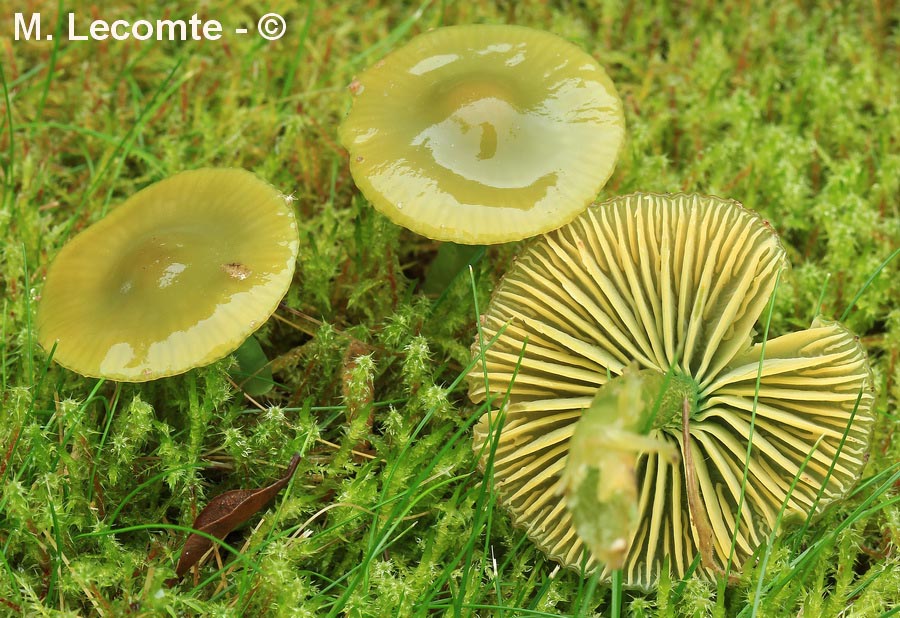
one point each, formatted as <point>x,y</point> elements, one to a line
<point>699,518</point>
<point>253,374</point>
<point>451,260</point>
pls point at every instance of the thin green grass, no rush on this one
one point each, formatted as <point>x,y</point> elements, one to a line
<point>746,472</point>
<point>868,282</point>
<point>485,499</point>
<point>9,169</point>
<point>767,553</point>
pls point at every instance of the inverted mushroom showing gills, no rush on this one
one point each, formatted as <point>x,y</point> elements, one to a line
<point>176,277</point>
<point>672,286</point>
<point>483,134</point>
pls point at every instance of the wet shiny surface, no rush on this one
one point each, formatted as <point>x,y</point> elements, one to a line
<point>482,134</point>
<point>176,277</point>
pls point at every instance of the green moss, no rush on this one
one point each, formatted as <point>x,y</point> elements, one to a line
<point>671,393</point>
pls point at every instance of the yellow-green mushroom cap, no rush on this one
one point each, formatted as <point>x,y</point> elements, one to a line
<point>483,134</point>
<point>673,285</point>
<point>176,277</point>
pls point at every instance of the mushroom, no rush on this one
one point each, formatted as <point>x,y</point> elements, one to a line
<point>674,285</point>
<point>483,134</point>
<point>176,277</point>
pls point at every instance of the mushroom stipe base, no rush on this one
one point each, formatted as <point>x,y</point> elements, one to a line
<point>673,390</point>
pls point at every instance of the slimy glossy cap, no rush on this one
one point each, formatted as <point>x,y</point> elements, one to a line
<point>673,284</point>
<point>176,277</point>
<point>483,134</point>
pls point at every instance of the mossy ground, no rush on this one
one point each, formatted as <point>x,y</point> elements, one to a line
<point>791,109</point>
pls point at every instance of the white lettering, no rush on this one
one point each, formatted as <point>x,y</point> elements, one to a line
<point>119,24</point>
<point>212,30</point>
<point>99,30</point>
<point>195,21</point>
<point>72,35</point>
<point>34,25</point>
<point>121,30</point>
<point>169,25</point>
<point>142,23</point>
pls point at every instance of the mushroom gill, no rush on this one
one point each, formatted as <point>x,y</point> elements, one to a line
<point>673,285</point>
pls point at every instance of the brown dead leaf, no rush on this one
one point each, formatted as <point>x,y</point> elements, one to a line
<point>226,512</point>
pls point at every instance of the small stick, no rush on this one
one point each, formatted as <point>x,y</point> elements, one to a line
<point>698,513</point>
